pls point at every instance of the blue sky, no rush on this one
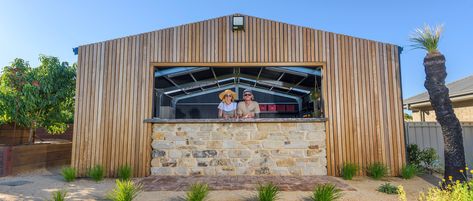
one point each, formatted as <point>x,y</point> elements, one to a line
<point>53,27</point>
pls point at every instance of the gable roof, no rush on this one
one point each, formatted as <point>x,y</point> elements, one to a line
<point>239,14</point>
<point>457,88</point>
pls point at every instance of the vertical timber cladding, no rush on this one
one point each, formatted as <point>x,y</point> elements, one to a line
<point>114,88</point>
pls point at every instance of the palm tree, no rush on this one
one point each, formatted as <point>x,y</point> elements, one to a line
<point>427,38</point>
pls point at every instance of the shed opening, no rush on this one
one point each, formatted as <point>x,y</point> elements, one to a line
<point>192,92</point>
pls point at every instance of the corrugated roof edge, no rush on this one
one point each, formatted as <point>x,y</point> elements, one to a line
<point>424,97</point>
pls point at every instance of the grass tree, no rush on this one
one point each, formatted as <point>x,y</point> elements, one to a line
<point>428,38</point>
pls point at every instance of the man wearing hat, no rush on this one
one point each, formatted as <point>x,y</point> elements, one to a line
<point>248,108</point>
<point>227,108</point>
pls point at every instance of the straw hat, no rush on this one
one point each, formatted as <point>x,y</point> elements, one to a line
<point>228,91</point>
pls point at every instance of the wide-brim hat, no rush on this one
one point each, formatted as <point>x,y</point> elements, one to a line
<point>228,91</point>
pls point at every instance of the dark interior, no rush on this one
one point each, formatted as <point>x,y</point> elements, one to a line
<point>192,92</point>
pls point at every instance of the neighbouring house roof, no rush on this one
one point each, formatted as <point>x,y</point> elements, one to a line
<point>461,87</point>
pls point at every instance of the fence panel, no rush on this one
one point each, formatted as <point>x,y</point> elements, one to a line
<point>429,134</point>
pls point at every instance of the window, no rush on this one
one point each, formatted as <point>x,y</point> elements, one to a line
<point>193,92</point>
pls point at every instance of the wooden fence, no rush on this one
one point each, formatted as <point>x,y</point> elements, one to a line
<point>429,134</point>
<point>22,158</point>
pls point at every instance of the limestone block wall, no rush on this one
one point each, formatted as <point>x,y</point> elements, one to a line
<point>463,110</point>
<point>239,149</point>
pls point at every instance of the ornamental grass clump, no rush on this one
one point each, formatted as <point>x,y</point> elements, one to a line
<point>268,192</point>
<point>125,190</point>
<point>68,173</point>
<point>409,171</point>
<point>96,173</point>
<point>124,172</point>
<point>348,170</point>
<point>326,192</point>
<point>388,188</point>
<point>58,195</point>
<point>377,170</point>
<point>197,192</point>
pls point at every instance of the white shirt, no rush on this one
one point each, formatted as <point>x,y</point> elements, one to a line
<point>228,108</point>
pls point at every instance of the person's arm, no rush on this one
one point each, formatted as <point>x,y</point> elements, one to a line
<point>257,111</point>
<point>220,113</point>
<point>239,111</point>
<point>220,110</point>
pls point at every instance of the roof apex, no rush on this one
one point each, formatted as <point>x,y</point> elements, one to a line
<point>233,14</point>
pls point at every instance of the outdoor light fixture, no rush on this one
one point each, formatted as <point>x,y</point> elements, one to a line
<point>238,23</point>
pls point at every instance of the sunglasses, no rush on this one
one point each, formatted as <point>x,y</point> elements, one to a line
<point>247,94</point>
<point>228,95</point>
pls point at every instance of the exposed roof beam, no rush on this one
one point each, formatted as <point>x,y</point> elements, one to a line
<point>220,79</point>
<point>175,84</point>
<point>195,80</point>
<point>177,71</point>
<point>279,78</point>
<point>201,83</point>
<point>300,71</point>
<point>259,74</point>
<point>215,76</point>
<point>279,84</point>
<point>229,86</point>
<point>297,84</point>
<point>180,97</point>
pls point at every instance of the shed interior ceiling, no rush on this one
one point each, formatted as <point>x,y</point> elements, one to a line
<point>184,81</point>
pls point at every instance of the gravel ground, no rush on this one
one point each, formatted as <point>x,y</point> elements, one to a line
<point>38,185</point>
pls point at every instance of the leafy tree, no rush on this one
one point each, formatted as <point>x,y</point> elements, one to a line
<point>38,97</point>
<point>427,38</point>
<point>407,117</point>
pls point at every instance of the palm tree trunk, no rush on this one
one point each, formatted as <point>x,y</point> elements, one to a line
<point>435,71</point>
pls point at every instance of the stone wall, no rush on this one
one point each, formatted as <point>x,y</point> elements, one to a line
<point>239,149</point>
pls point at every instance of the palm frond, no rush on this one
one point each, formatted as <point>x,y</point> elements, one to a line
<point>427,38</point>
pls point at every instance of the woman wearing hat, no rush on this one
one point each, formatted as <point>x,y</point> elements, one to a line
<point>227,108</point>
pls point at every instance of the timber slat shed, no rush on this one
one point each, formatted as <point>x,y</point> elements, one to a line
<point>361,88</point>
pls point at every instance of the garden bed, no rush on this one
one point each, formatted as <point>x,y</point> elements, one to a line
<point>23,158</point>
<point>11,135</point>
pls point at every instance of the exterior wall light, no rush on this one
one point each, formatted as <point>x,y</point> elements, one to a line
<point>238,23</point>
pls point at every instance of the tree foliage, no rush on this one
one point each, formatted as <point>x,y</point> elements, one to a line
<point>427,38</point>
<point>38,97</point>
<point>407,117</point>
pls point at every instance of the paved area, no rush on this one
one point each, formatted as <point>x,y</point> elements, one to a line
<point>285,183</point>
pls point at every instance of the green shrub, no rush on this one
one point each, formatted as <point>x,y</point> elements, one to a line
<point>377,170</point>
<point>409,171</point>
<point>124,172</point>
<point>96,173</point>
<point>414,155</point>
<point>197,192</point>
<point>388,188</point>
<point>426,159</point>
<point>326,192</point>
<point>68,173</point>
<point>429,157</point>
<point>125,190</point>
<point>268,192</point>
<point>348,170</point>
<point>58,195</point>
